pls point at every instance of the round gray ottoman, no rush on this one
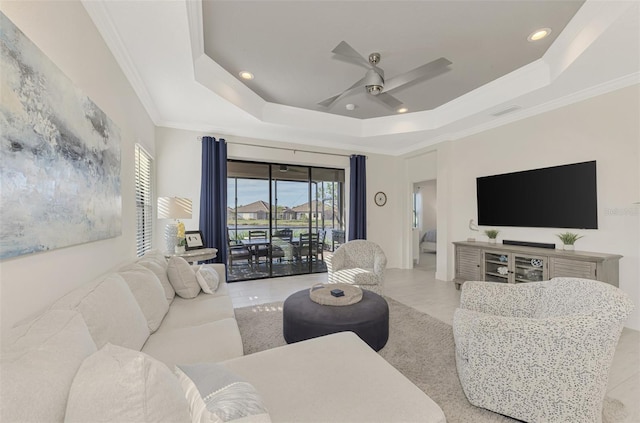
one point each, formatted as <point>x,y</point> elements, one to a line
<point>305,319</point>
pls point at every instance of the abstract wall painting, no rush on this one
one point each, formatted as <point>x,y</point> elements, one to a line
<point>59,155</point>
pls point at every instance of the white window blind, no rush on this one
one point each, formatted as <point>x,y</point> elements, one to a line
<point>144,203</point>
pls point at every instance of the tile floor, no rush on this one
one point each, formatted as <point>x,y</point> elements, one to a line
<point>419,289</point>
<point>244,271</point>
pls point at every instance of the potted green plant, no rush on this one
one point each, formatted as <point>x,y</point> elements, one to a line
<point>568,239</point>
<point>492,234</point>
<point>180,246</point>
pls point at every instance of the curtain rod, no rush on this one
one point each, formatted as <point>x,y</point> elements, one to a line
<point>295,150</point>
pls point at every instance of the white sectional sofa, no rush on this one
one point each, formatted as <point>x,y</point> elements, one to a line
<point>125,348</point>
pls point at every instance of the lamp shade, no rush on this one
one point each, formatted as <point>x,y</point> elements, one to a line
<point>174,208</point>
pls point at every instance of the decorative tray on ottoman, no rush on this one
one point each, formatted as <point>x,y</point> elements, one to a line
<point>335,294</point>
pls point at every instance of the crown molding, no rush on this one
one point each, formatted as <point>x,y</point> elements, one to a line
<point>592,20</point>
<point>196,28</point>
<point>524,113</point>
<point>554,104</point>
<point>99,14</point>
<point>327,141</point>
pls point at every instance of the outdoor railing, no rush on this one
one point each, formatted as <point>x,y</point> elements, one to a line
<point>333,236</point>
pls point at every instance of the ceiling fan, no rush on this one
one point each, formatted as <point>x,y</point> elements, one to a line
<point>374,81</point>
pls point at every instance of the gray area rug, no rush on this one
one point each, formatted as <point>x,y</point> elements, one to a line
<point>420,347</point>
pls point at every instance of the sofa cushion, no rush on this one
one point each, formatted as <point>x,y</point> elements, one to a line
<point>110,310</point>
<point>38,362</point>
<point>196,311</point>
<point>356,276</point>
<point>161,274</point>
<point>156,256</point>
<point>148,291</point>
<point>333,365</point>
<point>208,279</point>
<point>116,384</point>
<point>214,341</point>
<point>217,394</point>
<point>183,277</point>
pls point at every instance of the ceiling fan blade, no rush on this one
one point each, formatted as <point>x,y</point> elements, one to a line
<point>345,50</point>
<point>328,102</point>
<point>430,70</point>
<point>331,100</point>
<point>389,100</point>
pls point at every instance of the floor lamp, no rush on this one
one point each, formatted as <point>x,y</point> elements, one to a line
<point>173,208</point>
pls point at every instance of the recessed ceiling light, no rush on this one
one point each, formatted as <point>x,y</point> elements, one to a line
<point>350,106</point>
<point>402,110</point>
<point>246,75</point>
<point>539,34</point>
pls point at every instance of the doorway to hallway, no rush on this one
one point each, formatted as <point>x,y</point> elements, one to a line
<point>425,220</point>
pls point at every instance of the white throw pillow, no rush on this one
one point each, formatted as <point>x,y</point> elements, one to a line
<point>208,279</point>
<point>218,395</point>
<point>146,287</point>
<point>183,278</point>
<point>116,384</point>
<point>156,256</point>
<point>38,362</point>
<point>161,274</point>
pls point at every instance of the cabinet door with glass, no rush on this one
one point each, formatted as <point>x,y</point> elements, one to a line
<point>514,268</point>
<point>497,267</point>
<point>530,268</point>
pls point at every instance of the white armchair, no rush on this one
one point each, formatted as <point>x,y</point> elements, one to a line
<point>540,351</point>
<point>359,263</point>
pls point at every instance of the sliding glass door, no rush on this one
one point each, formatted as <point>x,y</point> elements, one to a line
<point>283,219</point>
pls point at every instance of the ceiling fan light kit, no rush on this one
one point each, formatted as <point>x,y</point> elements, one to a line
<point>374,89</point>
<point>374,82</point>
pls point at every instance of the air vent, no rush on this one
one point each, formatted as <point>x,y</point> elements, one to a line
<point>505,111</point>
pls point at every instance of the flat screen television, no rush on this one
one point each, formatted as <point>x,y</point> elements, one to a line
<point>553,197</point>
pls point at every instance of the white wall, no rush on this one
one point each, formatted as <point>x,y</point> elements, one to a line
<point>66,34</point>
<point>385,224</point>
<point>428,201</point>
<point>604,128</point>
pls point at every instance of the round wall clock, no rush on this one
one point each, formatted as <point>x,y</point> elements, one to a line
<point>381,198</point>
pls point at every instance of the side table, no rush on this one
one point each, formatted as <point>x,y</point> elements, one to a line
<point>194,256</point>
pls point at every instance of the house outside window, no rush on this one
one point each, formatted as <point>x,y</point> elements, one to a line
<point>144,202</point>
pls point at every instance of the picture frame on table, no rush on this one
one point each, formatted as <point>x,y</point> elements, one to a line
<point>194,240</point>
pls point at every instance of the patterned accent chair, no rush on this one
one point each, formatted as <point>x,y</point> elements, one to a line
<point>359,263</point>
<point>540,351</point>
